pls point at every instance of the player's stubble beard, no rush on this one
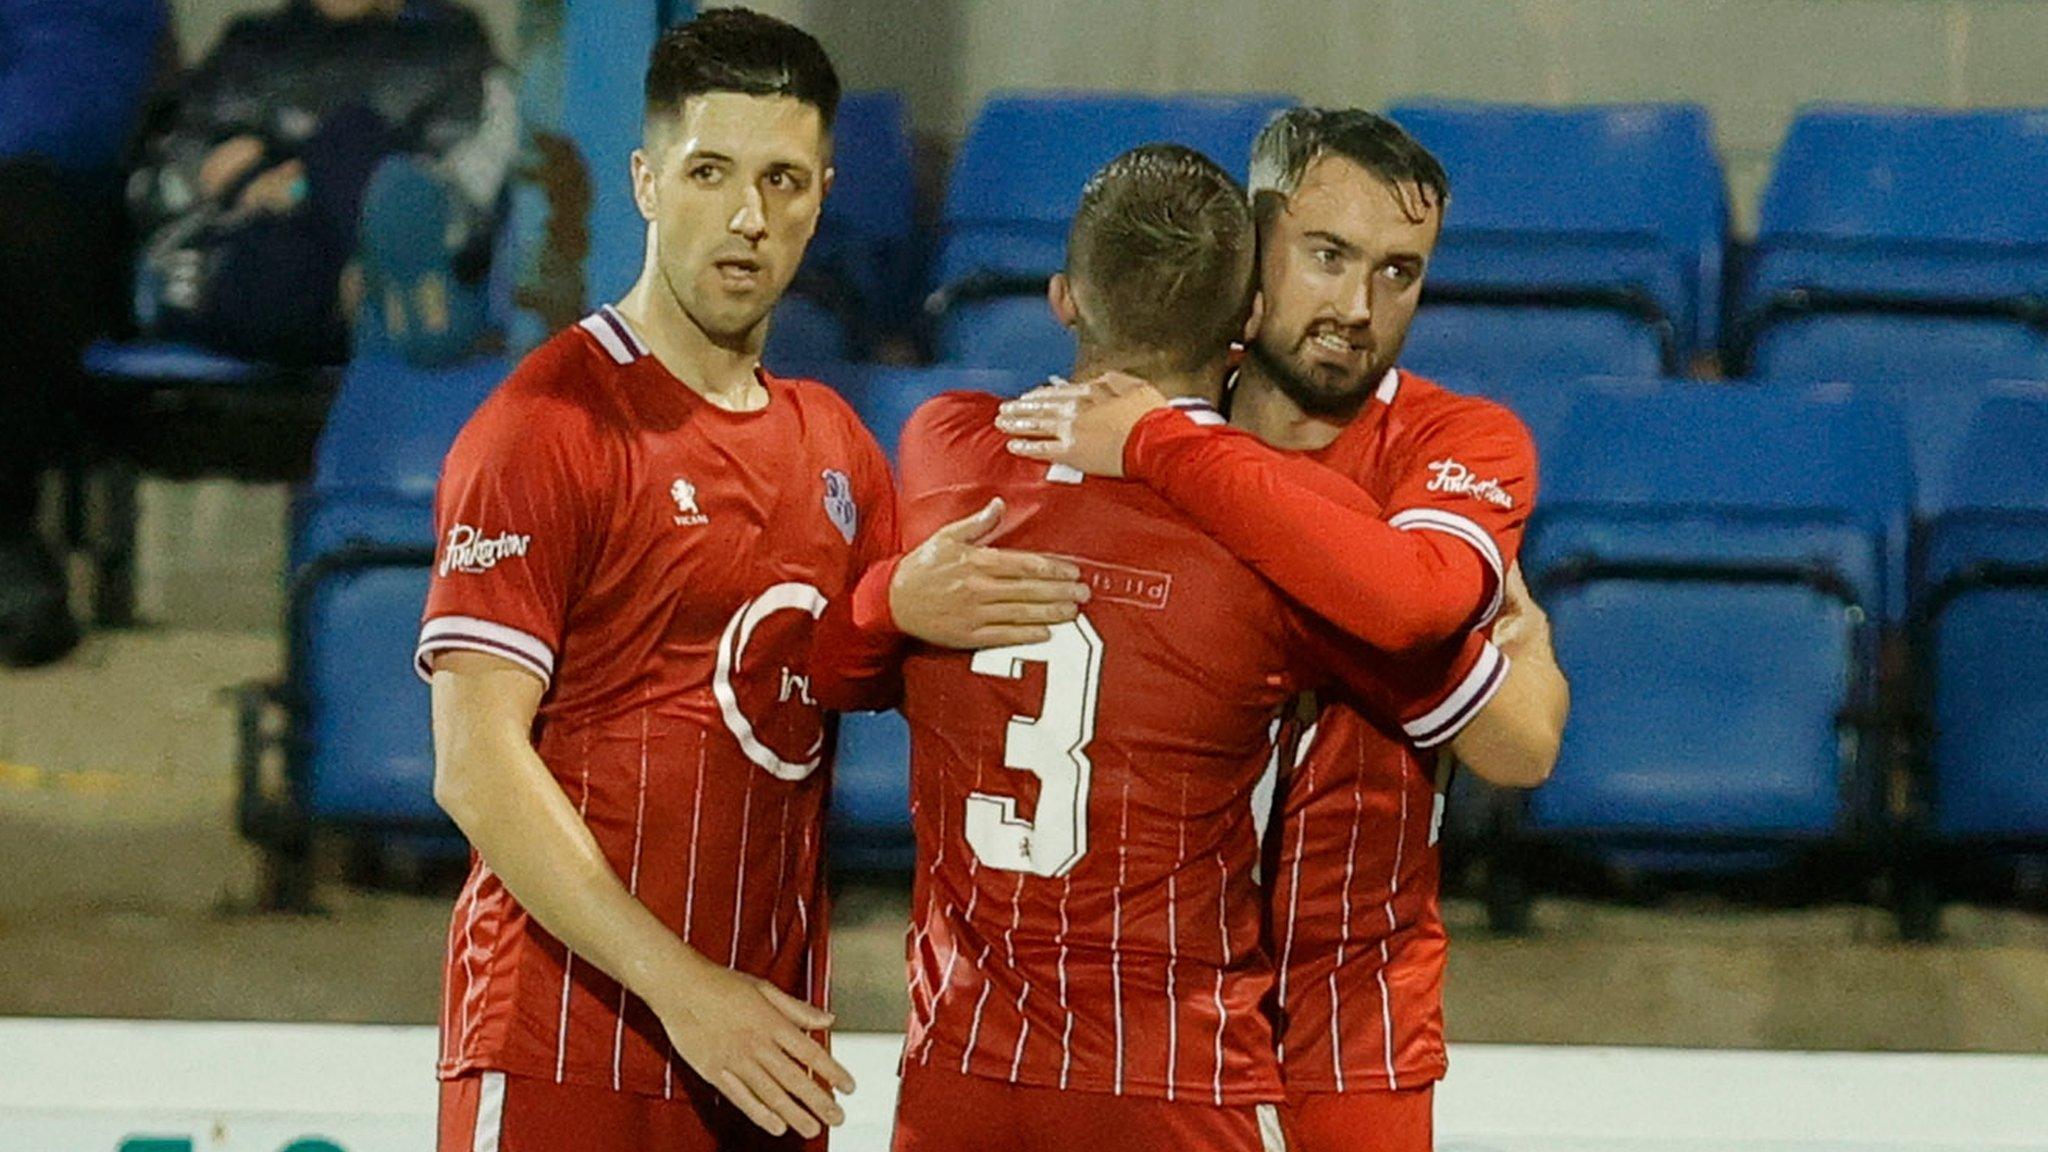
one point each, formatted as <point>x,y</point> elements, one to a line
<point>737,340</point>
<point>1313,393</point>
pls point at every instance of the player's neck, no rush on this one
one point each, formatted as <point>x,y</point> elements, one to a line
<point>1205,385</point>
<point>725,377</point>
<point>1258,406</point>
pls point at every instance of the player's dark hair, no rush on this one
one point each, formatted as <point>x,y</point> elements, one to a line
<point>1160,255</point>
<point>1297,137</point>
<point>738,50</point>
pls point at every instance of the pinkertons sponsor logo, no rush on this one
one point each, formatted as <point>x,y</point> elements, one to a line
<point>469,550</point>
<point>1454,477</point>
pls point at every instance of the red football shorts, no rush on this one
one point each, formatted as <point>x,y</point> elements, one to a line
<point>1400,1121</point>
<point>494,1112</point>
<point>945,1111</point>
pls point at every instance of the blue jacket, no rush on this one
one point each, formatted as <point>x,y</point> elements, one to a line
<point>73,78</point>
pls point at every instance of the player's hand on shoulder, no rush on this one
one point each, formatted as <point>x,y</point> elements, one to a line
<point>1083,425</point>
<point>751,1041</point>
<point>955,591</point>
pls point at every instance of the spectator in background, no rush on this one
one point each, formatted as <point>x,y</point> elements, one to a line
<point>73,74</point>
<point>250,195</point>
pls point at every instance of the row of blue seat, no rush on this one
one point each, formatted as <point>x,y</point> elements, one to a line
<point>1589,239</point>
<point>1721,564</point>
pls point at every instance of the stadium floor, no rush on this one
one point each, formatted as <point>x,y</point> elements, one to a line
<point>91,1084</point>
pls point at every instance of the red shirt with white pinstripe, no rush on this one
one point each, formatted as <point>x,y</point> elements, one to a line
<point>1086,913</point>
<point>659,562</point>
<point>1355,865</point>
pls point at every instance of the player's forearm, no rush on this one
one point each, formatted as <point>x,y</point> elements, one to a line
<point>1392,589</point>
<point>1514,741</point>
<point>505,800</point>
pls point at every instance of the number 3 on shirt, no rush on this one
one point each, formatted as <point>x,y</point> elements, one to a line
<point>1052,747</point>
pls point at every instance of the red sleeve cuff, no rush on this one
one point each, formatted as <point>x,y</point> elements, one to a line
<point>871,612</point>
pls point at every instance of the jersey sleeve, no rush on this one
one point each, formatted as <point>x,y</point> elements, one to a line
<point>516,526</point>
<point>856,650</point>
<point>1317,536</point>
<point>1427,696</point>
<point>943,462</point>
<point>1468,474</point>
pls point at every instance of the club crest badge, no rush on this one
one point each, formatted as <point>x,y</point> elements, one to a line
<point>839,505</point>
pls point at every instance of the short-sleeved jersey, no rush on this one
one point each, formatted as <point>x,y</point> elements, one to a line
<point>1353,900</point>
<point>659,563</point>
<point>1086,914</point>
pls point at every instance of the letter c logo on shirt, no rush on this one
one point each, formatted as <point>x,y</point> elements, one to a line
<point>732,647</point>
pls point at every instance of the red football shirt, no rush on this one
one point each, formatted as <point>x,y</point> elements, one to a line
<point>658,562</point>
<point>1086,912</point>
<point>1354,896</point>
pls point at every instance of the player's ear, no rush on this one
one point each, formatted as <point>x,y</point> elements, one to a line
<point>1059,292</point>
<point>1255,317</point>
<point>644,174</point>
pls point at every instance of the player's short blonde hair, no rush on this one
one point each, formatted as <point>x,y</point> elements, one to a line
<point>1161,256</point>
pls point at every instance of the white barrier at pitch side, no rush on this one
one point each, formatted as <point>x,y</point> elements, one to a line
<point>114,1086</point>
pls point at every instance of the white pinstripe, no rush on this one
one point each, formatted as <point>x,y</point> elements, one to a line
<point>1294,874</point>
<point>1173,948</point>
<point>781,870</point>
<point>632,887</point>
<point>449,1049</point>
<point>696,813</point>
<point>1023,1033</point>
<point>1066,1033</point>
<point>980,1002</point>
<point>739,895</point>
<point>945,983</point>
<point>1223,930</point>
<point>668,1071</point>
<point>1010,952</point>
<point>1344,934</point>
<point>1116,930</point>
<point>569,964</point>
<point>1393,891</point>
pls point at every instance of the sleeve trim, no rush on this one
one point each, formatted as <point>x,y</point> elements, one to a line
<point>1449,718</point>
<point>446,633</point>
<point>1450,523</point>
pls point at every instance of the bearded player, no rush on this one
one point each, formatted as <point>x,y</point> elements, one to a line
<point>1349,209</point>
<point>1085,952</point>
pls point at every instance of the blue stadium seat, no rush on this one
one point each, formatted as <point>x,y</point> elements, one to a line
<point>1863,213</point>
<point>1014,332</point>
<point>1921,349</point>
<point>368,754</point>
<point>805,330</point>
<point>885,397</point>
<point>1018,177</point>
<point>1981,593</point>
<point>862,268</point>
<point>1474,341</point>
<point>1714,561</point>
<point>356,745</point>
<point>1618,205</point>
<point>871,792</point>
<point>379,456</point>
